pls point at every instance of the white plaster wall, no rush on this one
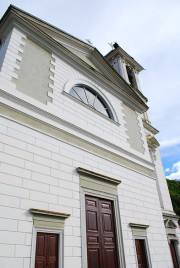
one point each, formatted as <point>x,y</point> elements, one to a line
<point>40,171</point>
<point>166,200</point>
<point>3,49</point>
<point>77,113</point>
<point>11,57</point>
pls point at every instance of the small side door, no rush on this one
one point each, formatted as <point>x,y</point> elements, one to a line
<point>46,250</point>
<point>141,253</point>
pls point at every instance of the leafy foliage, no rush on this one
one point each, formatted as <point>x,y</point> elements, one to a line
<point>174,189</point>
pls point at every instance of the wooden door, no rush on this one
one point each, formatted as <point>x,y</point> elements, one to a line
<point>46,250</point>
<point>101,237</point>
<point>141,253</point>
<point>173,254</point>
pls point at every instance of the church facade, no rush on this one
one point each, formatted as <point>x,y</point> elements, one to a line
<point>81,178</point>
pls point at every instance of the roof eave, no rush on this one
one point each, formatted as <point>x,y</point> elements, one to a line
<point>27,15</point>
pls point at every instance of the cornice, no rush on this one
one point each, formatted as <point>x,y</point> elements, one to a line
<point>149,127</point>
<point>98,175</point>
<point>15,10</point>
<point>49,213</point>
<point>152,142</point>
<point>139,93</point>
<point>172,215</point>
<point>42,110</point>
<point>138,225</point>
<point>42,124</point>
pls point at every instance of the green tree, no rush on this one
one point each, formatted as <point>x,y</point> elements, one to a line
<point>174,189</point>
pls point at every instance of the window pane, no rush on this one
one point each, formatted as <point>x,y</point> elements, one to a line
<point>74,94</point>
<point>100,107</point>
<point>91,98</point>
<point>81,93</point>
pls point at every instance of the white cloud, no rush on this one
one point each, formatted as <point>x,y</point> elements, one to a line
<point>175,175</point>
<point>167,170</point>
<point>176,166</point>
<point>170,142</point>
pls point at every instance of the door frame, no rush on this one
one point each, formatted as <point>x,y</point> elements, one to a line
<point>60,232</point>
<point>119,241</point>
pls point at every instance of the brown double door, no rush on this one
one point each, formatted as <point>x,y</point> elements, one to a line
<point>46,250</point>
<point>141,253</point>
<point>101,237</point>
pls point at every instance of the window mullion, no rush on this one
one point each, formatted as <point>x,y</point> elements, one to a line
<point>86,95</point>
<point>77,94</point>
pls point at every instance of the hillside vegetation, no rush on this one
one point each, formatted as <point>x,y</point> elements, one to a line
<point>174,189</point>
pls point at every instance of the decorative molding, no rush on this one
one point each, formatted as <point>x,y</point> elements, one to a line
<point>170,224</point>
<point>150,127</point>
<point>139,230</point>
<point>173,237</point>
<point>152,142</point>
<point>171,215</point>
<point>138,225</point>
<point>98,175</point>
<point>48,219</point>
<point>63,135</point>
<point>49,213</point>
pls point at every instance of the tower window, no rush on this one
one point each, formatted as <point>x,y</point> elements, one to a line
<point>130,76</point>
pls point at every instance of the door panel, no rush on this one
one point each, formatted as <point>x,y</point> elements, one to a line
<point>52,254</point>
<point>46,250</point>
<point>93,257</point>
<point>40,261</point>
<point>110,258</point>
<point>107,222</point>
<point>101,242</point>
<point>92,220</point>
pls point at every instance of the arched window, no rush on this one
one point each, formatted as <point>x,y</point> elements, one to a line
<point>91,98</point>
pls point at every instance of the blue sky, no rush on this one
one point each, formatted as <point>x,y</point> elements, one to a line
<point>149,30</point>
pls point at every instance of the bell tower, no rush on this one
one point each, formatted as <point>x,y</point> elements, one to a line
<point>125,66</point>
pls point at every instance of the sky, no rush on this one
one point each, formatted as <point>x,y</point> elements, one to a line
<point>149,30</point>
